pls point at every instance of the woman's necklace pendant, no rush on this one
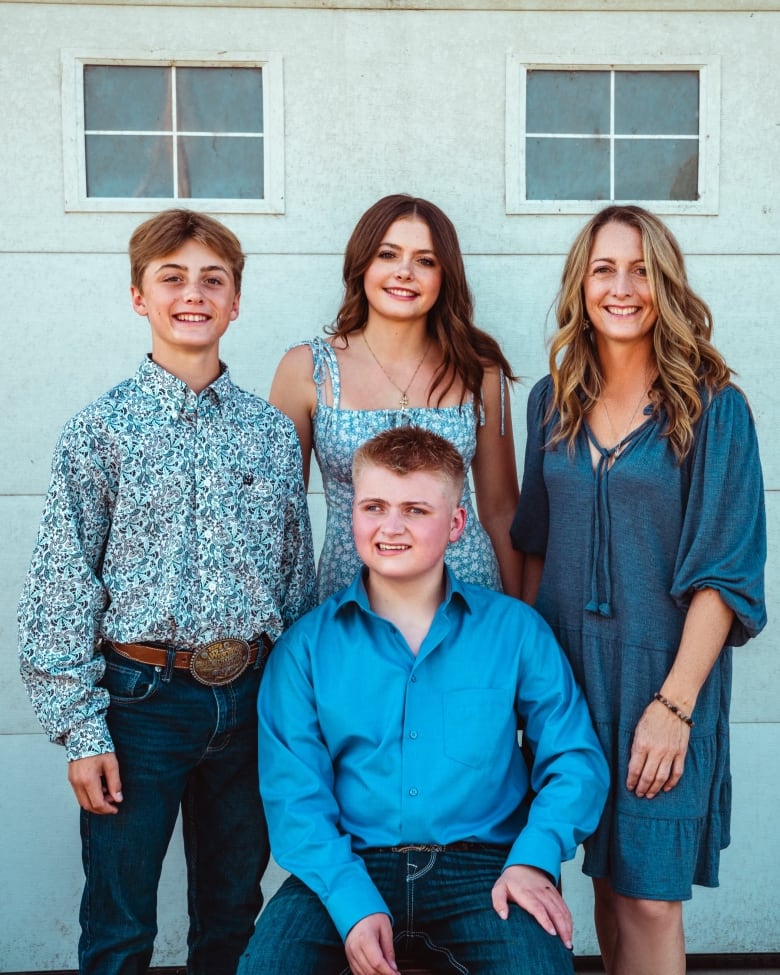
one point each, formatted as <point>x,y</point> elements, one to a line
<point>404,401</point>
<point>615,452</point>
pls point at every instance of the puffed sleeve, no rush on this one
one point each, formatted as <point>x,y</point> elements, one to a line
<point>723,539</point>
<point>530,523</point>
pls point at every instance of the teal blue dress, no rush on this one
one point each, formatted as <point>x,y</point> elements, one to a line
<point>338,433</point>
<point>625,547</point>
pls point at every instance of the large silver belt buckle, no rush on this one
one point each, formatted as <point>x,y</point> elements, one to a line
<point>220,661</point>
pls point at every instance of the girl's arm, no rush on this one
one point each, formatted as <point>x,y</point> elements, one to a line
<point>494,470</point>
<point>533,567</point>
<point>294,392</point>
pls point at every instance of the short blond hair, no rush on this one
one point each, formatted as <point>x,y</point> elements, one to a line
<point>167,231</point>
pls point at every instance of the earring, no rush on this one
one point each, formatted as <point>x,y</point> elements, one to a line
<point>586,325</point>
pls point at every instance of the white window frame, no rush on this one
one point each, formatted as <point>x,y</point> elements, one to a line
<point>73,134</point>
<point>708,68</point>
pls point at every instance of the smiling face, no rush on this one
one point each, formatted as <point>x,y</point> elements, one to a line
<point>616,290</point>
<point>189,298</point>
<point>402,523</point>
<point>403,280</point>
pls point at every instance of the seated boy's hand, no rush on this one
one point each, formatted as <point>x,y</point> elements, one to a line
<point>533,890</point>
<point>369,946</point>
<point>96,783</point>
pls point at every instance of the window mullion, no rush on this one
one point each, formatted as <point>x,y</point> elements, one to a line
<point>174,134</point>
<point>612,134</point>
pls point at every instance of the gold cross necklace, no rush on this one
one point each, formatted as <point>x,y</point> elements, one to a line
<point>404,401</point>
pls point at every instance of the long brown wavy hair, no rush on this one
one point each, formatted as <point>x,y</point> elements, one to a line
<point>465,349</point>
<point>686,360</point>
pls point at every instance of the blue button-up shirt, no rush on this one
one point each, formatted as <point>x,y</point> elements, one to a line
<point>171,516</point>
<point>364,744</point>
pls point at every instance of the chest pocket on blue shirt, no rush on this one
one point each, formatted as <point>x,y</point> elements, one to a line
<point>475,722</point>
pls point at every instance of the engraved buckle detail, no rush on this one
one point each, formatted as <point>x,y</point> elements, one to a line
<point>220,661</point>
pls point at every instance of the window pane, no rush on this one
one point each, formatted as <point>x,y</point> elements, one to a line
<point>127,98</point>
<point>220,99</point>
<point>657,103</point>
<point>129,165</point>
<point>575,102</point>
<point>221,168</point>
<point>567,169</point>
<point>657,169</point>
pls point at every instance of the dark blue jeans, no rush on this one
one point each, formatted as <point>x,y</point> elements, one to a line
<point>179,744</point>
<point>443,919</point>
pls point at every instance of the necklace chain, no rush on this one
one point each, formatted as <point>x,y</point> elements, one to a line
<point>620,441</point>
<point>404,401</point>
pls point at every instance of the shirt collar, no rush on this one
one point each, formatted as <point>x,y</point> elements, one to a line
<point>170,391</point>
<point>356,594</point>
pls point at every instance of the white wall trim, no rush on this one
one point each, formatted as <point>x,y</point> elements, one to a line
<point>599,6</point>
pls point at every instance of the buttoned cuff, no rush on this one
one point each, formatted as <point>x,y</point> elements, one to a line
<point>535,849</point>
<point>354,901</point>
<point>91,737</point>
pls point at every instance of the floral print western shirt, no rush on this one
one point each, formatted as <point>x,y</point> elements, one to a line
<point>171,516</point>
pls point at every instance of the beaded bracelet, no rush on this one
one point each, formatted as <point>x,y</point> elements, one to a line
<point>658,696</point>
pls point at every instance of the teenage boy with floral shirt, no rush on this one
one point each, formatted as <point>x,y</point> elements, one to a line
<point>174,549</point>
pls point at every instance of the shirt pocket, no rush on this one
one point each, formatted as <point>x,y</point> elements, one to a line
<point>475,721</point>
<point>262,501</point>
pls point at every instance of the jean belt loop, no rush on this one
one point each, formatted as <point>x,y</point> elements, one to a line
<point>264,647</point>
<point>170,659</point>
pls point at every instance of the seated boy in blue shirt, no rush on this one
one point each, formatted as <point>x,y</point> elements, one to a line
<point>395,790</point>
<point>174,549</point>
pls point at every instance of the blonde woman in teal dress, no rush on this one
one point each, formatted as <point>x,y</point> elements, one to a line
<point>404,350</point>
<point>642,525</point>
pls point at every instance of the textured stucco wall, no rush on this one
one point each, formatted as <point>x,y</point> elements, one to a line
<point>376,101</point>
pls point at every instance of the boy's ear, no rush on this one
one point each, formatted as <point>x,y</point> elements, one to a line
<point>458,523</point>
<point>137,299</point>
<point>234,309</point>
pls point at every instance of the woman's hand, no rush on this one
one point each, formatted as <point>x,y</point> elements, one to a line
<point>657,752</point>
<point>661,738</point>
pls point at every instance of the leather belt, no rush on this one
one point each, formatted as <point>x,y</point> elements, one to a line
<point>218,662</point>
<point>459,846</point>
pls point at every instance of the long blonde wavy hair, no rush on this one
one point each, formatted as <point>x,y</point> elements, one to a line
<point>685,358</point>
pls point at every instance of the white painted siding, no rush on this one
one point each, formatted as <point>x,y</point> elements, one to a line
<point>376,101</point>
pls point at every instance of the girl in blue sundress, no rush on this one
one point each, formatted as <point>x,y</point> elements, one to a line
<point>404,349</point>
<point>642,524</point>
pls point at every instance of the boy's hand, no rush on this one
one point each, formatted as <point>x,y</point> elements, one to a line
<point>533,890</point>
<point>95,781</point>
<point>369,946</point>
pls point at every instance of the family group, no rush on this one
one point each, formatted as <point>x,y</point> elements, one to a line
<point>480,675</point>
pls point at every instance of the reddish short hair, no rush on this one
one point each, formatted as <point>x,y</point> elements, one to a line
<point>408,449</point>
